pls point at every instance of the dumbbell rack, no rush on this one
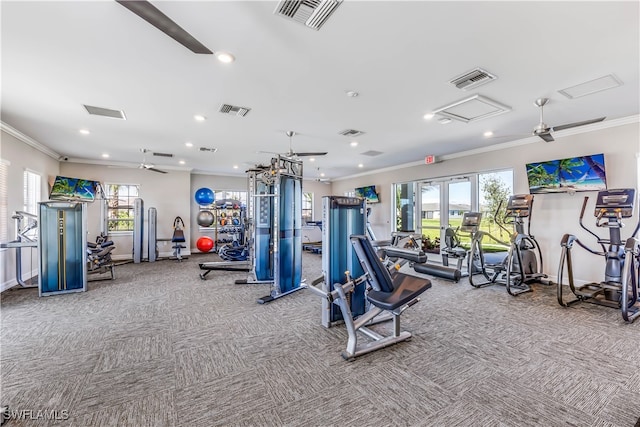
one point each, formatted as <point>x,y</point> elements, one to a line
<point>227,221</point>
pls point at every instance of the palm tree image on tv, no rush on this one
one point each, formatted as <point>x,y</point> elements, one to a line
<point>63,187</point>
<point>584,173</point>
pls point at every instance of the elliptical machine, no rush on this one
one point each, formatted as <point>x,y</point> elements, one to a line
<point>523,264</point>
<point>453,248</point>
<point>621,284</point>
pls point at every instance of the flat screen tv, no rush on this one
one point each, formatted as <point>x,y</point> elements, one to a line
<point>368,193</point>
<point>584,173</point>
<point>82,190</point>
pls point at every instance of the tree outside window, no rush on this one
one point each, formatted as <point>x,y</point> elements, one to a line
<point>120,199</point>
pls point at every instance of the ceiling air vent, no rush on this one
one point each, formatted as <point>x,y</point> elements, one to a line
<point>310,13</point>
<point>163,154</point>
<point>234,110</point>
<point>371,153</point>
<point>351,132</point>
<point>208,149</point>
<point>105,112</point>
<point>472,79</point>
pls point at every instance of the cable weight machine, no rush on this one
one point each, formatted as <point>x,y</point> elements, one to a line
<point>275,225</point>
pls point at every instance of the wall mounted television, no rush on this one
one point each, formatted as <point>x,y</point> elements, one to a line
<point>76,189</point>
<point>368,193</point>
<point>583,173</point>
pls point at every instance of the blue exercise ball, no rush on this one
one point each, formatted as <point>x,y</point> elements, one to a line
<point>204,196</point>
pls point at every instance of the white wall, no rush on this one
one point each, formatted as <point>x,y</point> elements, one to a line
<point>20,157</point>
<point>553,214</point>
<point>168,193</point>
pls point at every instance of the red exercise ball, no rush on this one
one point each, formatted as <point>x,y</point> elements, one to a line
<point>204,244</point>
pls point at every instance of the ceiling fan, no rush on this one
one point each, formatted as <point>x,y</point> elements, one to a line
<point>155,17</point>
<point>544,131</point>
<point>143,165</point>
<point>320,177</point>
<point>293,154</point>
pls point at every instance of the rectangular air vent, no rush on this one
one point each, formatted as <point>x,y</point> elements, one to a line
<point>371,153</point>
<point>472,79</point>
<point>471,109</point>
<point>351,132</point>
<point>310,13</point>
<point>105,112</point>
<point>208,149</point>
<point>163,154</point>
<point>234,110</point>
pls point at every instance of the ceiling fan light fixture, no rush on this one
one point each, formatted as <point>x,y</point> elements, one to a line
<point>224,57</point>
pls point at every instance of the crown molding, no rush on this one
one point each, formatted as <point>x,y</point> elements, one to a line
<point>504,145</point>
<point>28,140</point>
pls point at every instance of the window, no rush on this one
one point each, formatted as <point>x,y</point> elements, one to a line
<point>240,196</point>
<point>120,199</point>
<point>494,188</point>
<point>307,207</point>
<point>31,192</point>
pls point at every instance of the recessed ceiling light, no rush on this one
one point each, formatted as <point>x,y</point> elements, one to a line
<point>225,57</point>
<point>360,165</point>
<point>312,159</point>
<point>105,155</point>
<point>84,131</point>
<point>182,162</point>
<point>235,166</point>
<point>444,121</point>
<point>488,133</point>
<point>199,118</point>
<point>354,143</point>
<point>189,144</point>
<point>352,93</point>
<point>428,116</point>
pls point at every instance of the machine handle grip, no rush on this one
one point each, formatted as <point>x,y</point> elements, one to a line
<point>584,207</point>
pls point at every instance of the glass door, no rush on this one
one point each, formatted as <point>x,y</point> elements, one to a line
<point>458,202</point>
<point>430,214</point>
<point>442,204</point>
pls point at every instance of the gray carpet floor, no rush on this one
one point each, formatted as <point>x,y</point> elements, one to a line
<point>160,347</point>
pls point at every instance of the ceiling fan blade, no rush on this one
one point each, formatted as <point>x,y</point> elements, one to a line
<point>155,17</point>
<point>310,154</point>
<point>155,170</point>
<point>576,124</point>
<point>546,137</point>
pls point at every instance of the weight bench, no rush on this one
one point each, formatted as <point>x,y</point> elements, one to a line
<point>387,293</point>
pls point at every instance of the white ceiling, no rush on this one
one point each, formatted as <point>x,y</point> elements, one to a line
<point>399,56</point>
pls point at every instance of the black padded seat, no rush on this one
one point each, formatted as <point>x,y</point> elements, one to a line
<point>396,290</point>
<point>456,252</point>
<point>405,289</point>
